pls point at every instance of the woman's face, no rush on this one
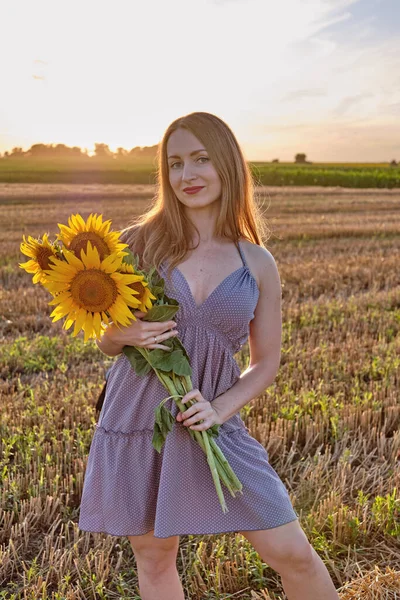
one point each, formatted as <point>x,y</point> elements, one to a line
<point>189,166</point>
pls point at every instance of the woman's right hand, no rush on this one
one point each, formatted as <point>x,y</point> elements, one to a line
<point>142,333</point>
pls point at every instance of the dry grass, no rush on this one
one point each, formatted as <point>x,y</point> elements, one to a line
<point>330,421</point>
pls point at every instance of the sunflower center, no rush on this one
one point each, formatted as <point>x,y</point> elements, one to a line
<point>138,287</point>
<point>80,243</point>
<point>94,290</point>
<point>42,257</point>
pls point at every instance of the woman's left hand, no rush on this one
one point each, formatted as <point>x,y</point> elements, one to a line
<point>201,410</point>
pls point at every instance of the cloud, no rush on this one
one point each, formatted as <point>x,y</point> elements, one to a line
<point>393,109</point>
<point>333,21</point>
<point>295,95</point>
<point>350,102</point>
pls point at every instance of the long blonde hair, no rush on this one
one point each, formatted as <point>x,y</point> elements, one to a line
<point>163,233</point>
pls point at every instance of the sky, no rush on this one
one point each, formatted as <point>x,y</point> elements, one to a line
<point>315,76</point>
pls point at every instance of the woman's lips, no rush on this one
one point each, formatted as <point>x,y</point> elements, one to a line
<point>193,190</point>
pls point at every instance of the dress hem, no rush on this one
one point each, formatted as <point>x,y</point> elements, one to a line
<point>150,431</point>
<point>192,533</point>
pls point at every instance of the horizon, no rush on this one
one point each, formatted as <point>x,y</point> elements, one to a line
<point>91,154</point>
<point>325,82</point>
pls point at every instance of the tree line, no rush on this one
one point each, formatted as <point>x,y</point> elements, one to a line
<point>102,150</point>
<point>63,151</point>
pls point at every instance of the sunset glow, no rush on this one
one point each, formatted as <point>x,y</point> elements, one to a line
<point>320,77</point>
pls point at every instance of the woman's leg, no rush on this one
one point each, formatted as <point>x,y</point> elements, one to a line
<point>157,569</point>
<point>287,550</point>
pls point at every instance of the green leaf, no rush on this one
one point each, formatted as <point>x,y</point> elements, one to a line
<point>174,361</point>
<point>158,438</point>
<point>161,312</point>
<point>181,347</point>
<point>167,420</point>
<point>170,300</point>
<point>130,258</point>
<point>140,364</point>
<point>156,282</point>
<point>163,424</point>
<point>157,286</point>
<point>214,430</point>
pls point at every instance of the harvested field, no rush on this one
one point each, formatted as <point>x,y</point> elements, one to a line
<point>330,421</point>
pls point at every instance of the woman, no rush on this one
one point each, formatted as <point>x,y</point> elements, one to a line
<point>204,235</point>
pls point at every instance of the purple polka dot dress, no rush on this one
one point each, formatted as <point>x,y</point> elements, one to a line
<point>130,488</point>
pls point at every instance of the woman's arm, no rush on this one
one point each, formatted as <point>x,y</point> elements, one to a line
<point>109,343</point>
<point>265,340</point>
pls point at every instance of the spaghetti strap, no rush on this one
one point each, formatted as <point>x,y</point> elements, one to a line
<point>242,254</point>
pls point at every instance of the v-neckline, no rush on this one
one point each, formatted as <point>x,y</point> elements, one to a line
<point>199,306</point>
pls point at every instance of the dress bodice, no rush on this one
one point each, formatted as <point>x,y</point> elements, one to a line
<point>226,312</point>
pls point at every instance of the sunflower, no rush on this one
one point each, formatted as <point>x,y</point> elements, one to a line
<point>39,252</point>
<point>141,287</point>
<point>76,236</point>
<point>91,290</point>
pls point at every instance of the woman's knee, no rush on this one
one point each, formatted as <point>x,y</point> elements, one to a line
<point>152,553</point>
<point>284,548</point>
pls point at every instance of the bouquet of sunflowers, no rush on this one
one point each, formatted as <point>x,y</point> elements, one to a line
<point>94,279</point>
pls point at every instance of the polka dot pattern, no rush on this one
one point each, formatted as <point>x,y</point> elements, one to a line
<point>130,488</point>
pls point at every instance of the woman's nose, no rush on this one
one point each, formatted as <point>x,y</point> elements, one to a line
<point>188,174</point>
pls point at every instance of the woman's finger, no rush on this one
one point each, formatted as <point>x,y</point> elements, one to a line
<point>161,337</point>
<point>157,328</point>
<point>152,346</point>
<point>151,343</point>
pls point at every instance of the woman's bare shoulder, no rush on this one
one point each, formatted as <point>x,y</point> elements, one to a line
<point>259,259</point>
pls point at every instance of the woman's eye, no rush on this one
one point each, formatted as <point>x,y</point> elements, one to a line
<point>200,158</point>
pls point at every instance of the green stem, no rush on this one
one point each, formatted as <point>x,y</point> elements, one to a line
<point>214,472</point>
<point>226,472</point>
<point>216,460</point>
<point>236,483</point>
<point>203,435</point>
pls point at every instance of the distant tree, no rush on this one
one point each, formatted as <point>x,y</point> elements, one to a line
<point>17,152</point>
<point>54,150</point>
<point>300,158</point>
<point>149,150</point>
<point>393,163</point>
<point>39,150</point>
<point>76,151</point>
<point>61,150</point>
<point>276,160</point>
<point>135,152</point>
<point>102,151</point>
<point>143,152</point>
<point>121,152</point>
<point>66,151</point>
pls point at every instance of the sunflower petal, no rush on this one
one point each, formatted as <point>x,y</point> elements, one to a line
<point>91,258</point>
<point>79,321</point>
<point>60,298</point>
<point>73,260</point>
<point>78,222</point>
<point>88,326</point>
<point>97,324</point>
